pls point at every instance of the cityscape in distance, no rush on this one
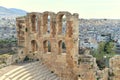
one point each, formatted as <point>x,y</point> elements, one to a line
<point>91,31</point>
<point>98,46</point>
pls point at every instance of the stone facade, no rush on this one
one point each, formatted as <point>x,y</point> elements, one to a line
<point>37,42</point>
<point>42,36</point>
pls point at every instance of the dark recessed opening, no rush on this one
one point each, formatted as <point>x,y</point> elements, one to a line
<point>37,59</point>
<point>52,71</point>
<point>78,75</point>
<point>21,52</point>
<point>26,58</point>
<point>26,29</point>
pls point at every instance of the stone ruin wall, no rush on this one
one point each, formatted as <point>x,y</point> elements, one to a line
<point>34,37</point>
<point>114,71</point>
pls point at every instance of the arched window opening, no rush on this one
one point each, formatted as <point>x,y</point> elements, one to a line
<point>34,46</point>
<point>48,25</point>
<point>37,29</point>
<point>26,29</point>
<point>62,47</point>
<point>47,46</point>
<point>34,23</point>
<point>64,26</point>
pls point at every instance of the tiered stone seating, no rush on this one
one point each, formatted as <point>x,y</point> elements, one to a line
<point>30,71</point>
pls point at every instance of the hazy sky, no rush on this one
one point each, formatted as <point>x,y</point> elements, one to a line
<point>85,8</point>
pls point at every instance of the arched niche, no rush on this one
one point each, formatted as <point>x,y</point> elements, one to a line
<point>46,46</point>
<point>34,46</point>
<point>62,22</point>
<point>61,47</point>
<point>48,22</point>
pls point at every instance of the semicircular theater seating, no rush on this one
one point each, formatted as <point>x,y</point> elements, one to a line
<point>30,71</point>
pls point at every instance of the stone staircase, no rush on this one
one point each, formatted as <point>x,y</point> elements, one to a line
<point>30,71</point>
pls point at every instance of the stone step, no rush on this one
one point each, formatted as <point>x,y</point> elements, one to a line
<point>48,77</point>
<point>31,73</point>
<point>17,77</point>
<point>53,77</point>
<point>22,70</point>
<point>43,76</point>
<point>11,72</point>
<point>24,66</point>
<point>37,77</point>
<point>5,76</point>
<point>29,78</point>
<point>57,78</point>
<point>35,68</point>
<point>40,72</point>
<point>40,75</point>
<point>25,76</point>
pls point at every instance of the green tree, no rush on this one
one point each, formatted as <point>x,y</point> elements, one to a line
<point>109,48</point>
<point>101,48</point>
<point>105,51</point>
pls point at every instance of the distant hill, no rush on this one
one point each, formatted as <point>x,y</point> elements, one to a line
<point>18,11</point>
<point>11,12</point>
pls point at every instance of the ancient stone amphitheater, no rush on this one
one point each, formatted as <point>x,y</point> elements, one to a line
<point>54,51</point>
<point>29,71</point>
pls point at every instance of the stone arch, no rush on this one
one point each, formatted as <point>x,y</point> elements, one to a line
<point>34,46</point>
<point>47,46</point>
<point>48,23</point>
<point>60,19</point>
<point>61,47</point>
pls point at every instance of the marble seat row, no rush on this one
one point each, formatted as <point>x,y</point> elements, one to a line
<point>30,71</point>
